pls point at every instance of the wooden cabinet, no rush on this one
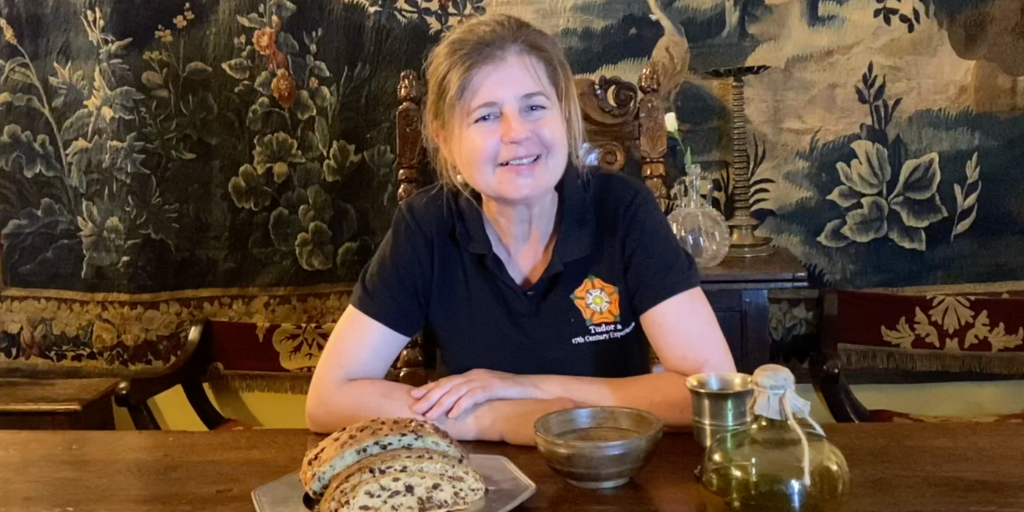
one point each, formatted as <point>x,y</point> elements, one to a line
<point>738,292</point>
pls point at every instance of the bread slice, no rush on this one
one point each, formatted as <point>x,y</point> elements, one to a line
<point>400,463</point>
<point>341,450</point>
<point>408,492</point>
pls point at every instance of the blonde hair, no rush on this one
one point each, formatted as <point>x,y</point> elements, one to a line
<point>474,45</point>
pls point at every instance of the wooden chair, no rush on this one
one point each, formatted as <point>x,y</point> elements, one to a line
<point>188,370</point>
<point>618,122</point>
<point>832,384</point>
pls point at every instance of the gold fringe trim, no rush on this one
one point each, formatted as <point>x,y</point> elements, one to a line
<point>957,289</point>
<point>173,295</point>
<point>857,356</point>
<point>292,383</point>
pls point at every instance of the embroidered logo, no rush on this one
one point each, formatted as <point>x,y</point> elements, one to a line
<point>597,300</point>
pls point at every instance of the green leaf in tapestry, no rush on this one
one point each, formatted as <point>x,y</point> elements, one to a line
<point>314,248</point>
<point>919,213</point>
<point>103,236</point>
<point>832,235</point>
<point>153,80</point>
<point>869,173</point>
<point>353,255</point>
<point>318,209</point>
<point>83,157</point>
<point>322,96</point>
<point>380,158</point>
<point>907,237</point>
<point>294,200</point>
<point>124,158</point>
<point>323,136</point>
<point>286,43</point>
<point>20,100</point>
<point>309,146</point>
<point>50,218</point>
<point>257,112</point>
<point>264,83</point>
<point>153,217</point>
<point>16,69</point>
<point>119,48</point>
<point>197,71</point>
<point>284,228</point>
<point>252,21</point>
<point>244,88</point>
<point>342,159</point>
<point>19,152</point>
<point>278,147</point>
<point>282,8</point>
<point>344,222</point>
<point>919,177</point>
<point>845,196</point>
<point>304,107</point>
<point>247,191</point>
<point>319,68</point>
<point>77,126</point>
<point>237,68</point>
<point>867,223</point>
<point>306,175</point>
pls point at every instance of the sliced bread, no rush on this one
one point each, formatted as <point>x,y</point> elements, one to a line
<point>408,492</point>
<point>346,447</point>
<point>400,463</point>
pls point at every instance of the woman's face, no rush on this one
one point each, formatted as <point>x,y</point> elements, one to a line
<point>508,137</point>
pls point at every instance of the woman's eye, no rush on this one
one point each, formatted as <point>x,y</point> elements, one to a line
<point>485,117</point>
<point>535,108</point>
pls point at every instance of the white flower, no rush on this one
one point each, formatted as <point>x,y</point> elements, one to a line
<point>671,124</point>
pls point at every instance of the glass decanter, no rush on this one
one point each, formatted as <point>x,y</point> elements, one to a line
<point>700,229</point>
<point>782,462</point>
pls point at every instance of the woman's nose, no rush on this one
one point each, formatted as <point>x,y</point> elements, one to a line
<point>514,128</point>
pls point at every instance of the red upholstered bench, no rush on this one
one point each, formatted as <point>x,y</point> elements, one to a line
<point>920,337</point>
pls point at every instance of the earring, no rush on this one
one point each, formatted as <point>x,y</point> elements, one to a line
<point>459,179</point>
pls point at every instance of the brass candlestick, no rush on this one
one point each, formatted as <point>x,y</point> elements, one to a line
<point>744,243</point>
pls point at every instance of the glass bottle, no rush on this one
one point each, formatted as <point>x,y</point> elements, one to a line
<point>782,462</point>
<point>700,229</point>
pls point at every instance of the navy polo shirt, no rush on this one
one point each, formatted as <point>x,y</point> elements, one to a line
<point>614,258</point>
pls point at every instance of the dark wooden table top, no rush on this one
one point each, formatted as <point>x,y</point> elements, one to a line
<point>49,395</point>
<point>780,268</point>
<point>897,467</point>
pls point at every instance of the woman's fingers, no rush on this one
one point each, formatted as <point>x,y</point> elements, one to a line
<point>434,394</point>
<point>419,392</point>
<point>445,403</point>
<point>472,398</point>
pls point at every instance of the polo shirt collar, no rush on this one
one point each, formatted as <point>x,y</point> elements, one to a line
<point>576,235</point>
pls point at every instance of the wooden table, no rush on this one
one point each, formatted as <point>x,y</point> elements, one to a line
<point>895,467</point>
<point>55,403</point>
<point>738,292</point>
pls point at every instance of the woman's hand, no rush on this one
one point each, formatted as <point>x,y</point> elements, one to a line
<point>455,394</point>
<point>502,421</point>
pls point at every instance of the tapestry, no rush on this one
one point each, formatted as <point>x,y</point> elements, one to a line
<point>226,147</point>
<point>280,329</point>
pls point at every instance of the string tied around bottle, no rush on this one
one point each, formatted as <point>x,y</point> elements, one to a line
<point>775,397</point>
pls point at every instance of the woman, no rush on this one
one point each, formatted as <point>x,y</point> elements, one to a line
<point>539,282</point>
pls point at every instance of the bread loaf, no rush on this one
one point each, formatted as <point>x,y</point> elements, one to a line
<point>348,446</point>
<point>398,462</point>
<point>407,492</point>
